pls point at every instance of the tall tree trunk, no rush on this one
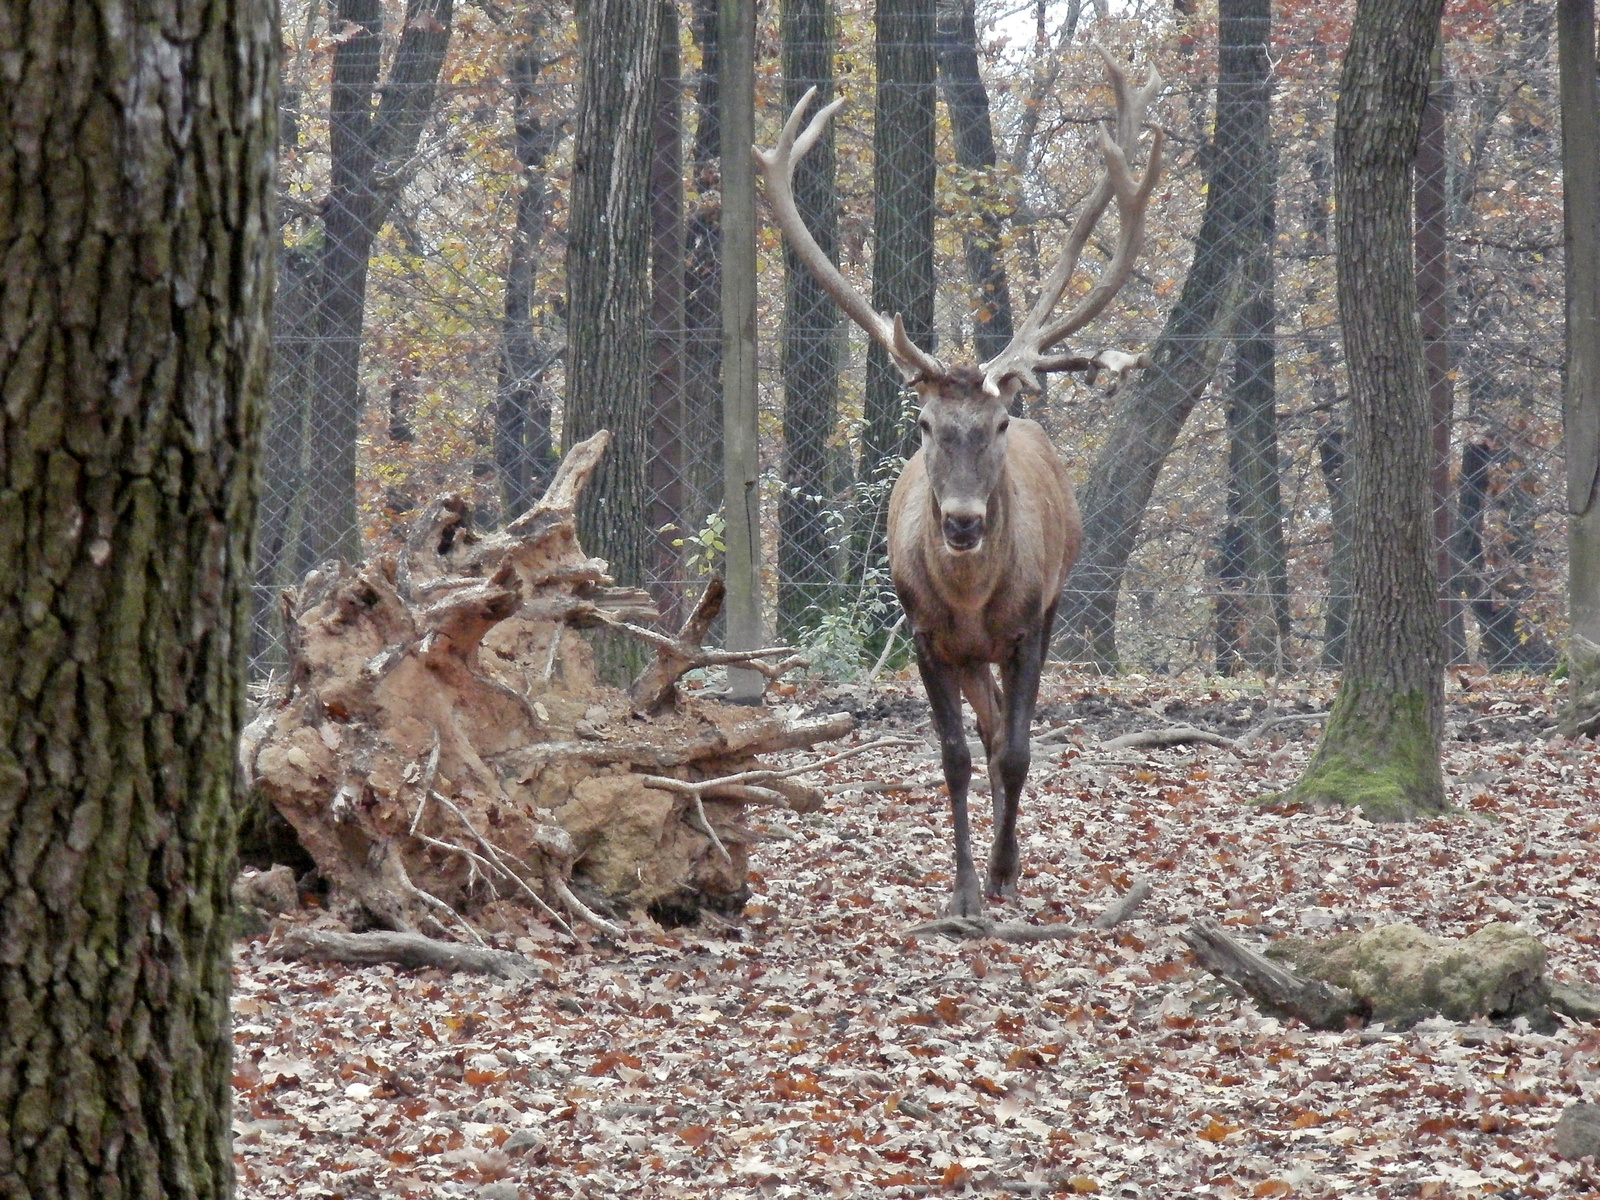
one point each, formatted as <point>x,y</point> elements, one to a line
<point>1380,750</point>
<point>1153,411</point>
<point>370,149</point>
<point>667,434</point>
<point>608,289</point>
<point>1580,155</point>
<point>524,448</point>
<point>967,101</point>
<point>136,176</point>
<point>903,174</point>
<point>1253,607</point>
<point>702,287</point>
<point>812,339</point>
<point>1434,288</point>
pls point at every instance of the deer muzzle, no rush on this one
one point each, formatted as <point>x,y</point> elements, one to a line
<point>963,531</point>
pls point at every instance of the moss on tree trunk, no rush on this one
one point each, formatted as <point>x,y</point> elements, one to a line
<point>1379,753</point>
<point>136,163</point>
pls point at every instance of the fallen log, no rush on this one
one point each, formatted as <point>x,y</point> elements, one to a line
<point>1272,985</point>
<point>1124,907</point>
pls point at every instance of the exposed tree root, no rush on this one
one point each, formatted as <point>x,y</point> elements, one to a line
<point>444,745</point>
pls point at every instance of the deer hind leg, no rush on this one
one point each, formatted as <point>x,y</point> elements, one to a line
<point>978,686</point>
<point>1009,761</point>
<point>943,685</point>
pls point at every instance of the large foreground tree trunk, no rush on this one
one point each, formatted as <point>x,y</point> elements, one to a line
<point>812,340</point>
<point>1380,750</point>
<point>136,171</point>
<point>1153,411</point>
<point>1580,151</point>
<point>902,260</point>
<point>608,274</point>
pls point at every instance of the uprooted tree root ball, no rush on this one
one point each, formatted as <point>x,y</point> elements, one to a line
<point>447,756</point>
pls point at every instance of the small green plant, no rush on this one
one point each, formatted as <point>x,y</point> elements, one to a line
<point>709,543</point>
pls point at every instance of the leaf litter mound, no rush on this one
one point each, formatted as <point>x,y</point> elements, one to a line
<point>810,1048</point>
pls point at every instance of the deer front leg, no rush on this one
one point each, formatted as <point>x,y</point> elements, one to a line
<point>943,685</point>
<point>1008,765</point>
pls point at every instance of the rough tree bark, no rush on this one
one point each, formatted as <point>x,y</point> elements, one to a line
<point>812,339</point>
<point>1580,152</point>
<point>967,101</point>
<point>524,445</point>
<point>608,273</point>
<point>371,148</point>
<point>1380,748</point>
<point>903,174</point>
<point>702,286</point>
<point>1153,411</point>
<point>136,175</point>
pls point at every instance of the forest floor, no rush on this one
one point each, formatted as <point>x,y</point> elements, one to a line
<point>812,1049</point>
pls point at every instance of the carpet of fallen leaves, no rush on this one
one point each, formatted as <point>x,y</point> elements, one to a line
<point>811,1049</point>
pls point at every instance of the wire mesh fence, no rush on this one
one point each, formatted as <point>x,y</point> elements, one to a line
<point>421,324</point>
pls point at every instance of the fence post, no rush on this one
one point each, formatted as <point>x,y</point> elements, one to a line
<point>741,489</point>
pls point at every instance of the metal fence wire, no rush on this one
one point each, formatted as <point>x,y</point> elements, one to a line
<point>1215,491</point>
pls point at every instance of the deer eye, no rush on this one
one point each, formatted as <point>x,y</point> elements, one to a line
<point>1001,428</point>
<point>924,426</point>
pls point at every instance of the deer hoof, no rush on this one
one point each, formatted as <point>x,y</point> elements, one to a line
<point>966,902</point>
<point>1001,889</point>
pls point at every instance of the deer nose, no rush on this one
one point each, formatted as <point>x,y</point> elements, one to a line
<point>963,532</point>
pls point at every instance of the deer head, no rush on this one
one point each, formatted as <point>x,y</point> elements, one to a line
<point>964,413</point>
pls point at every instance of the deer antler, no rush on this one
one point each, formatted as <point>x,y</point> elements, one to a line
<point>1026,352</point>
<point>777,168</point>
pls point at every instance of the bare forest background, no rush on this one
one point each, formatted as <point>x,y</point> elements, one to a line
<point>424,311</point>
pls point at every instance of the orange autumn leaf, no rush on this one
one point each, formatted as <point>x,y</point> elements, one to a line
<point>1217,1131</point>
<point>1083,1184</point>
<point>1271,1187</point>
<point>609,1060</point>
<point>954,1175</point>
<point>696,1135</point>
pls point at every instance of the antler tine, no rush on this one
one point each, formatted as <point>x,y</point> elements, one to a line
<point>1132,201</point>
<point>777,168</point>
<point>1023,355</point>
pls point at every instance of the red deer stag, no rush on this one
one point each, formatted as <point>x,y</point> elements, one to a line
<point>983,527</point>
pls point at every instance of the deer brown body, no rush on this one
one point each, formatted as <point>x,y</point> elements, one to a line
<point>983,527</point>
